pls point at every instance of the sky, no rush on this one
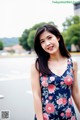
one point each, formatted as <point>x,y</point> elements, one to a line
<point>18,15</point>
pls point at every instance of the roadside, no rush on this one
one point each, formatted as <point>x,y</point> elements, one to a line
<point>75,53</point>
<point>31,55</point>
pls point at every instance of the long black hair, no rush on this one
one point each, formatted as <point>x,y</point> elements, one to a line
<point>43,56</point>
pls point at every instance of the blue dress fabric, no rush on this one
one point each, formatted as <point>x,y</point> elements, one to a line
<point>56,96</point>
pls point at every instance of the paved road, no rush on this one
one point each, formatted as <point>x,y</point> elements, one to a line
<point>15,85</point>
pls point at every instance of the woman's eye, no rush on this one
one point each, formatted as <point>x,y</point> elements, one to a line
<point>42,41</point>
<point>49,37</point>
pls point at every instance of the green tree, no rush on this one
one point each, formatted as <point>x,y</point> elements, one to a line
<point>1,45</point>
<point>70,21</point>
<point>52,23</point>
<point>36,26</point>
<point>23,39</point>
<point>74,34</point>
<point>71,32</point>
<point>66,38</point>
<point>31,38</point>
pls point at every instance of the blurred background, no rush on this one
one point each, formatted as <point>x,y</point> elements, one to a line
<point>19,21</point>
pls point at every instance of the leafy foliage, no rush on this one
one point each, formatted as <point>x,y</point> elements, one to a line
<point>1,45</point>
<point>71,35</point>
<point>31,38</point>
<point>23,40</point>
<point>70,21</point>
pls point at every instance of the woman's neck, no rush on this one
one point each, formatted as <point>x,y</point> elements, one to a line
<point>56,57</point>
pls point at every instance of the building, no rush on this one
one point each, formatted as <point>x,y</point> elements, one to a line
<point>16,48</point>
<point>77,8</point>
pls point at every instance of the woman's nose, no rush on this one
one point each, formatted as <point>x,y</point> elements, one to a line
<point>47,42</point>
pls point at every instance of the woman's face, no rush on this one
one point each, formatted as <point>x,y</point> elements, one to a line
<point>49,42</point>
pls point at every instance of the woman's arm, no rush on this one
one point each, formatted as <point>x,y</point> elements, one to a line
<point>36,92</point>
<point>75,87</point>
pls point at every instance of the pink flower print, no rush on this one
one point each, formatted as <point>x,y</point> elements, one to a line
<point>62,83</point>
<point>59,101</point>
<point>68,112</point>
<point>62,114</point>
<point>44,78</point>
<point>51,88</point>
<point>52,78</point>
<point>64,101</point>
<point>50,108</point>
<point>68,80</point>
<point>50,97</point>
<point>45,116</point>
<point>44,83</point>
<point>70,101</point>
<point>73,118</point>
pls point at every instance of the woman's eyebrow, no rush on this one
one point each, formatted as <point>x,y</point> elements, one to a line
<point>49,36</point>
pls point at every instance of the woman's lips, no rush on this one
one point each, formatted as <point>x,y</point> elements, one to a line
<point>50,48</point>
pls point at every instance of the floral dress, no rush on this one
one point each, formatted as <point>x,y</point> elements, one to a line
<point>56,95</point>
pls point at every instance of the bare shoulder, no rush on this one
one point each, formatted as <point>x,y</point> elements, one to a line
<point>35,83</point>
<point>75,66</point>
<point>33,69</point>
<point>34,65</point>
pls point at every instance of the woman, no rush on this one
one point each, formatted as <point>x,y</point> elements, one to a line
<point>53,77</point>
